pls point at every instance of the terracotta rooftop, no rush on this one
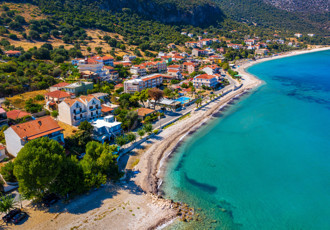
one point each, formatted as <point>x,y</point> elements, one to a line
<point>144,111</point>
<point>83,99</point>
<point>61,84</point>
<point>106,109</point>
<point>36,128</point>
<point>17,114</point>
<point>13,52</point>
<point>152,77</point>
<point>205,76</point>
<point>173,66</point>
<point>58,94</point>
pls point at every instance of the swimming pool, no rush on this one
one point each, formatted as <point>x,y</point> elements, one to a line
<point>183,100</point>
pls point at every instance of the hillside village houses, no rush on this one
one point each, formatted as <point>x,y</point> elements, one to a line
<point>17,136</point>
<point>93,67</point>
<point>74,111</point>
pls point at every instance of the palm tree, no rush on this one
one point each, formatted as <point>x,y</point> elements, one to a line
<point>6,204</point>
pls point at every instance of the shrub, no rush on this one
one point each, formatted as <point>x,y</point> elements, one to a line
<point>12,36</point>
<point>54,113</point>
<point>7,171</point>
<point>39,97</point>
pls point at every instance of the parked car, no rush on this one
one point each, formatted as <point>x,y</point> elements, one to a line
<point>7,218</point>
<point>50,199</point>
<point>19,217</point>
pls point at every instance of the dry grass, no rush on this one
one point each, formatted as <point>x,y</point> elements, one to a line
<point>30,12</point>
<point>18,101</point>
<point>68,129</point>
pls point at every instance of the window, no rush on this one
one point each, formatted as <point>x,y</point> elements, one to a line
<point>92,114</point>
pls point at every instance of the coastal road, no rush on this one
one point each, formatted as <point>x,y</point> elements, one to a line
<point>171,116</point>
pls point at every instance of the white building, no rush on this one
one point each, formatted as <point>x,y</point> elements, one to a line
<point>132,86</point>
<point>74,111</point>
<point>18,135</point>
<point>206,80</point>
<point>298,35</point>
<point>138,70</point>
<point>106,128</point>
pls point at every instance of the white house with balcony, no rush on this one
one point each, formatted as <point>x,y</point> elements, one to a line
<point>106,128</point>
<point>205,80</point>
<point>74,111</point>
<point>18,135</point>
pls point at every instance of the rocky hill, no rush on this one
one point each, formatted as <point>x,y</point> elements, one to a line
<point>309,6</point>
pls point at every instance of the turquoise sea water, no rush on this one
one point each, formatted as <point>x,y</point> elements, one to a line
<point>265,163</point>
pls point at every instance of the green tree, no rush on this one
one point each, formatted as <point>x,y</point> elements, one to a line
<point>99,164</point>
<point>148,128</point>
<point>131,137</point>
<point>54,113</point>
<point>86,126</point>
<point>7,171</point>
<point>6,204</point>
<point>37,166</point>
<point>141,132</point>
<point>120,140</point>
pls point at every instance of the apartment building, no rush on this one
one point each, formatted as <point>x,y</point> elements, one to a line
<point>74,111</point>
<point>206,80</point>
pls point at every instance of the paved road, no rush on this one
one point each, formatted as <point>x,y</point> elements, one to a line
<point>170,115</point>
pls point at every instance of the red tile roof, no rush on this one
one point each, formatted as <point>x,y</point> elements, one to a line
<point>205,76</point>
<point>106,109</point>
<point>173,66</point>
<point>61,84</point>
<point>36,128</point>
<point>58,94</point>
<point>153,77</point>
<point>144,111</point>
<point>13,52</point>
<point>173,70</point>
<point>17,114</point>
<point>119,86</point>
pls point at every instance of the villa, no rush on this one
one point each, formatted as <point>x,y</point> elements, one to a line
<point>74,111</point>
<point>106,128</point>
<point>211,69</point>
<point>55,97</point>
<point>18,135</point>
<point>58,86</point>
<point>78,88</point>
<point>205,80</point>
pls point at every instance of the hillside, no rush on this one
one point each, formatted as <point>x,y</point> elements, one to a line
<point>311,6</point>
<point>203,13</point>
<point>267,15</point>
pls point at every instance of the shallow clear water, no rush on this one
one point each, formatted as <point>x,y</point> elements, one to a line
<point>265,164</point>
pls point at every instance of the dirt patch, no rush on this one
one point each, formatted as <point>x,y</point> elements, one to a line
<point>18,101</point>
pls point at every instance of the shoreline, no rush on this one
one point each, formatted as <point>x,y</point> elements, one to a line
<point>152,165</point>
